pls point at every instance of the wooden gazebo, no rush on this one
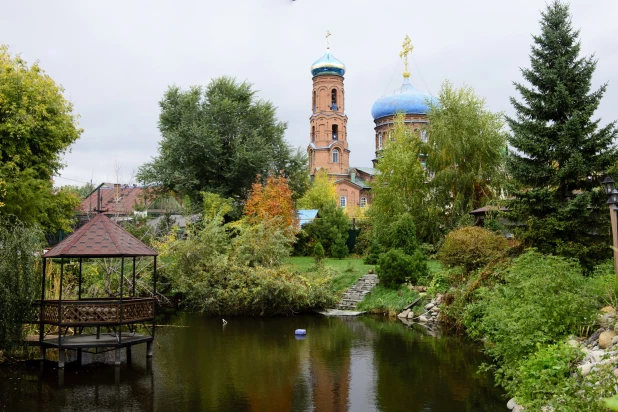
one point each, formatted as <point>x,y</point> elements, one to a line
<point>79,322</point>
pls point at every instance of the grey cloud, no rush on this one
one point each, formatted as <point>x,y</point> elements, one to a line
<point>115,59</point>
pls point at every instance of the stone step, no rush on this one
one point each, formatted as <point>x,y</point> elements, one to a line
<point>357,292</point>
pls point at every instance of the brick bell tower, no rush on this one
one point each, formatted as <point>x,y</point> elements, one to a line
<point>328,147</point>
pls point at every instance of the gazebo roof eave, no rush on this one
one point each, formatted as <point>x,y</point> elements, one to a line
<point>64,255</point>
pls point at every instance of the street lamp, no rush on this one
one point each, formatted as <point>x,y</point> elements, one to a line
<point>612,200</point>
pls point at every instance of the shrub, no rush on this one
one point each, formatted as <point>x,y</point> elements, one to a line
<point>396,267</point>
<point>239,290</point>
<point>402,235</point>
<point>471,247</point>
<point>543,299</point>
<point>318,252</point>
<point>330,229</point>
<point>261,244</point>
<point>339,250</point>
<point>538,377</point>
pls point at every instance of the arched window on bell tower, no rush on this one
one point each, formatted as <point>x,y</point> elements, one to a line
<point>336,156</point>
<point>313,133</point>
<point>335,132</point>
<point>380,141</point>
<point>333,99</point>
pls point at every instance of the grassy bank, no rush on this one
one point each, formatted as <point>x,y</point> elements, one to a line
<point>345,271</point>
<point>382,300</point>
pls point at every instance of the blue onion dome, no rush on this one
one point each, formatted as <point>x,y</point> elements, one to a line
<point>328,64</point>
<point>407,99</point>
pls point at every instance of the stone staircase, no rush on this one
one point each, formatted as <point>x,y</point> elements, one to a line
<point>357,292</point>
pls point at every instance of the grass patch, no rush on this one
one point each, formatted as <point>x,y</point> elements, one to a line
<point>434,266</point>
<point>384,299</point>
<point>347,271</point>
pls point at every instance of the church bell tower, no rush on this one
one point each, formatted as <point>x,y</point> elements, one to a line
<point>328,147</point>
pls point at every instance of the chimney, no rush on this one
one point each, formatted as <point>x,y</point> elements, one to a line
<point>116,192</point>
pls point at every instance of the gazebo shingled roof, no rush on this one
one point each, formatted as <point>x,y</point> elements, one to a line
<point>100,237</point>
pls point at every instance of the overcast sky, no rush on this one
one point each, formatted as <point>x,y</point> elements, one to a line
<point>115,59</point>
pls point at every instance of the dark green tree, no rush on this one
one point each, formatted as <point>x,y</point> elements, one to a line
<point>331,230</point>
<point>561,153</point>
<point>219,139</point>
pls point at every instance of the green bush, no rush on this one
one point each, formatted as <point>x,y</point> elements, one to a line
<point>396,267</point>
<point>549,379</point>
<point>330,229</point>
<point>236,269</point>
<point>339,250</point>
<point>318,252</point>
<point>537,378</point>
<point>240,290</point>
<point>402,235</point>
<point>542,300</point>
<point>471,247</point>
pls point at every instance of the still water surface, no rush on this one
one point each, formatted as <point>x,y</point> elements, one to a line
<point>360,364</point>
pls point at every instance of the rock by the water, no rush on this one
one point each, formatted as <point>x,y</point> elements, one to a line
<point>615,340</point>
<point>585,369</point>
<point>429,306</point>
<point>422,318</point>
<point>607,319</point>
<point>511,403</point>
<point>595,356</point>
<point>410,315</point>
<point>605,339</point>
<point>404,314</point>
<point>573,343</point>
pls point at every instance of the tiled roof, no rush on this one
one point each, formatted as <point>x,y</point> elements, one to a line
<point>120,202</point>
<point>100,237</point>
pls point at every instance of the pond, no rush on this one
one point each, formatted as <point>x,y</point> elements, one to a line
<point>258,364</point>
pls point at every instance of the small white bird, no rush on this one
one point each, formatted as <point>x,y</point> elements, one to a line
<point>224,321</point>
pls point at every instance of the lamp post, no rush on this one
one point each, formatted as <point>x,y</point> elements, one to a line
<point>612,200</point>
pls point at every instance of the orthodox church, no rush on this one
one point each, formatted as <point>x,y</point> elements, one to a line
<point>328,147</point>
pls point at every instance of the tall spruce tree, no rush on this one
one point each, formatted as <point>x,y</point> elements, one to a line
<point>561,153</point>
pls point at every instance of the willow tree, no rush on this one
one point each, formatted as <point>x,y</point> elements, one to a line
<point>400,186</point>
<point>465,149</point>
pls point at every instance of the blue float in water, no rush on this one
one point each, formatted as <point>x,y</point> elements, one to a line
<point>300,332</point>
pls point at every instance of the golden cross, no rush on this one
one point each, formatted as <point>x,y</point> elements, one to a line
<point>406,48</point>
<point>327,40</point>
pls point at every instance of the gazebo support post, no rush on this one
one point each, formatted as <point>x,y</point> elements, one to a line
<point>129,357</point>
<point>120,319</point>
<point>154,294</point>
<point>62,356</point>
<point>117,357</point>
<point>42,324</point>
<point>60,305</point>
<point>79,287</point>
<point>133,276</point>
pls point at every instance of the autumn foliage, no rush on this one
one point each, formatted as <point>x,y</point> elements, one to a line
<point>271,202</point>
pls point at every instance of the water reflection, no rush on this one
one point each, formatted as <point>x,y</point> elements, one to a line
<point>362,364</point>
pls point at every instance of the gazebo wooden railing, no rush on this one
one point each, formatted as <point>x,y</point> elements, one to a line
<point>120,315</point>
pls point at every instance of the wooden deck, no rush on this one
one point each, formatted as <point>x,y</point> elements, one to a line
<point>106,340</point>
